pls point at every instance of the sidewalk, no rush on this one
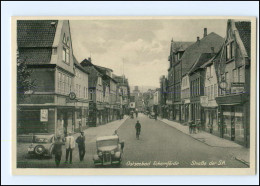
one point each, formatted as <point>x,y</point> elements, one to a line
<point>240,153</point>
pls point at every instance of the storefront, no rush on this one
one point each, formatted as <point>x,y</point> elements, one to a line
<point>233,118</point>
<point>211,120</point>
<point>177,111</point>
<point>185,111</point>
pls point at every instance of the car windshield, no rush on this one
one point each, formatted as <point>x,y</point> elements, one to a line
<point>105,143</point>
<point>42,139</point>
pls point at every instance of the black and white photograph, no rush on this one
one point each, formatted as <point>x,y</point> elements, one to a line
<point>133,93</point>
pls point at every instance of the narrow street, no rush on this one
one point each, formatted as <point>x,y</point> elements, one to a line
<point>159,146</point>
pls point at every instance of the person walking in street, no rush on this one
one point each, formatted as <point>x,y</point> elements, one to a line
<point>81,145</point>
<point>191,126</point>
<point>198,125</point>
<point>136,114</point>
<point>57,150</point>
<point>138,129</point>
<point>70,145</point>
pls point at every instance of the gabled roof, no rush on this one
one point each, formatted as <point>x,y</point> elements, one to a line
<point>193,52</point>
<point>78,65</point>
<point>215,58</point>
<point>244,30</point>
<point>177,46</point>
<point>103,70</point>
<point>36,33</point>
<point>202,59</point>
<point>121,79</point>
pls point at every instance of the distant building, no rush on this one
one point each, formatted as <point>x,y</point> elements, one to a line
<point>177,50</point>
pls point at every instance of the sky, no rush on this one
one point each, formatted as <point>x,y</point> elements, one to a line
<point>137,48</point>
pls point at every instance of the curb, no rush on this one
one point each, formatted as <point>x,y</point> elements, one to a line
<point>243,161</point>
<point>188,134</point>
<point>198,139</point>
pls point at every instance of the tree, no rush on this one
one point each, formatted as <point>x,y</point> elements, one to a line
<point>24,83</point>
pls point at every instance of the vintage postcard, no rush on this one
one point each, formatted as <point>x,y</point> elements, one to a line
<point>134,95</point>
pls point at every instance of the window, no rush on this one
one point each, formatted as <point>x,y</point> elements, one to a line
<point>208,92</point>
<point>99,81</point>
<point>227,80</point>
<point>208,72</point>
<point>215,90</point>
<point>91,94</point>
<point>64,54</point>
<point>212,92</point>
<point>241,74</point>
<point>211,70</point>
<point>67,56</point>
<point>79,91</point>
<point>230,51</point>
<point>63,83</point>
<point>235,75</point>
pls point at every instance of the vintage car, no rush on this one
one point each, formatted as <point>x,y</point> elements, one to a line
<point>109,151</point>
<point>42,145</point>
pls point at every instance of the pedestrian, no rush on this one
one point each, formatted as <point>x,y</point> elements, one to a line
<point>194,127</point>
<point>138,129</point>
<point>190,126</point>
<point>57,150</point>
<point>198,125</point>
<point>81,145</point>
<point>70,145</point>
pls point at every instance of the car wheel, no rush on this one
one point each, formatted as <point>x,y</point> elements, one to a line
<point>39,150</point>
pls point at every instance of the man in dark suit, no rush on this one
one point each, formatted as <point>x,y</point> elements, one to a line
<point>81,145</point>
<point>57,150</point>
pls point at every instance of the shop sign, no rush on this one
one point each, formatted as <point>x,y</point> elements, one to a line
<point>44,115</point>
<point>204,101</point>
<point>237,88</point>
<point>132,105</point>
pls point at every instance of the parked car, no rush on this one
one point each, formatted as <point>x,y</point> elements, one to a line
<point>152,115</point>
<point>109,151</point>
<point>42,145</point>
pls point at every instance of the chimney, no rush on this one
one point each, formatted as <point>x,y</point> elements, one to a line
<point>198,38</point>
<point>89,59</point>
<point>205,32</point>
<point>212,50</point>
